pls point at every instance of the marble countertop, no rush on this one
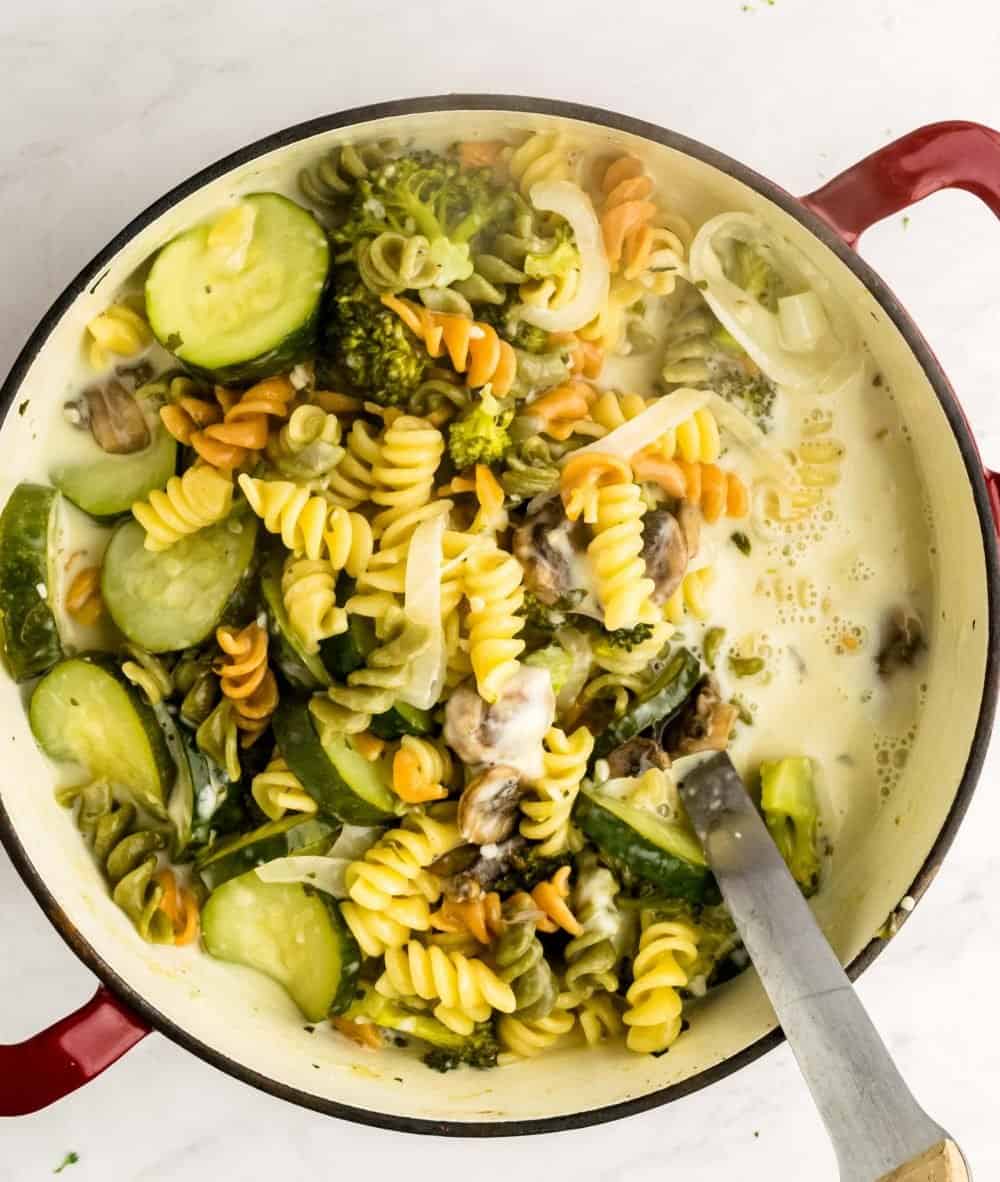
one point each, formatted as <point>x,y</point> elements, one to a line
<point>109,104</point>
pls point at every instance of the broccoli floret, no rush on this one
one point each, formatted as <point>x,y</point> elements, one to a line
<point>627,638</point>
<point>448,1049</point>
<point>511,327</point>
<point>481,435</point>
<point>742,383</point>
<point>370,346</point>
<point>549,617</point>
<point>788,801</point>
<point>423,193</point>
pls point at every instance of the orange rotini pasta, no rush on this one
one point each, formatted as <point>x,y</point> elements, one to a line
<point>246,680</point>
<point>227,434</point>
<point>473,348</point>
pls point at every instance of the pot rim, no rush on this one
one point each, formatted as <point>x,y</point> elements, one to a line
<point>94,273</point>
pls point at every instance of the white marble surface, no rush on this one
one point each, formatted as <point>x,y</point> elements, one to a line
<point>107,104</point>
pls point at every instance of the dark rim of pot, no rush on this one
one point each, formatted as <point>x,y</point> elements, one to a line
<point>94,272</point>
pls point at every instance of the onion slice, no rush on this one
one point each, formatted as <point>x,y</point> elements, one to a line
<point>647,427</point>
<point>422,603</point>
<point>572,203</point>
<point>315,870</point>
<point>811,343</point>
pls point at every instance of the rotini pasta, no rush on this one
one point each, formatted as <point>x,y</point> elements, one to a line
<point>308,525</point>
<point>332,178</point>
<point>482,917</point>
<point>546,816</point>
<point>128,856</point>
<point>352,480</point>
<point>600,1018</point>
<point>527,1037</point>
<point>149,674</point>
<point>420,770</point>
<point>495,595</point>
<point>244,426</point>
<point>520,961</point>
<point>118,331</point>
<point>473,347</point>
<point>666,951</point>
<point>391,263</point>
<point>467,989</point>
<point>625,663</point>
<point>593,956</point>
<point>201,497</point>
<point>690,596</point>
<point>544,156</point>
<point>307,447</point>
<point>277,790</point>
<point>550,897</point>
<point>375,687</point>
<point>83,596</point>
<point>246,680</point>
<point>390,888</point>
<point>307,589</point>
<point>615,552</point>
<point>715,491</point>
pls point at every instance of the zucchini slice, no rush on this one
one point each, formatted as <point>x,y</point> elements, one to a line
<point>30,634</point>
<point>84,711</point>
<point>343,783</point>
<point>173,599</point>
<point>652,848</point>
<point>302,669</point>
<point>402,720</point>
<point>238,298</point>
<point>294,935</point>
<point>661,702</point>
<point>277,839</point>
<point>105,485</point>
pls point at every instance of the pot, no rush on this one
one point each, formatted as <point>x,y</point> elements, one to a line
<point>240,1021</point>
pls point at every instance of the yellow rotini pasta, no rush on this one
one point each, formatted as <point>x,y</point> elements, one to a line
<point>278,790</point>
<point>493,586</point>
<point>544,156</point>
<point>390,888</point>
<point>308,592</point>
<point>547,812</point>
<point>352,480</point>
<point>410,452</point>
<point>307,447</point>
<point>201,497</point>
<point>119,331</point>
<point>666,951</point>
<point>625,663</point>
<point>308,525</point>
<point>600,1018</point>
<point>690,596</point>
<point>615,554</point>
<point>466,989</point>
<point>148,673</point>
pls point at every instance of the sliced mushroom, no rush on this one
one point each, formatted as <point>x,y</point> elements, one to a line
<point>508,731</point>
<point>705,723</point>
<point>492,864</point>
<point>665,553</point>
<point>636,756</point>
<point>115,418</point>
<point>552,551</point>
<point>488,809</point>
<point>902,643</point>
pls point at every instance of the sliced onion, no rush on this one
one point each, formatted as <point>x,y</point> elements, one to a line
<point>354,841</point>
<point>647,427</point>
<point>576,644</point>
<point>802,322</point>
<point>422,603</point>
<point>325,874</point>
<point>821,352</point>
<point>746,432</point>
<point>572,203</point>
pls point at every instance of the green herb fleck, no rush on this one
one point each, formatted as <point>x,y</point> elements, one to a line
<point>906,221</point>
<point>69,1160</point>
<point>741,542</point>
<point>711,645</point>
<point>173,342</point>
<point>23,407</point>
<point>745,714</point>
<point>702,284</point>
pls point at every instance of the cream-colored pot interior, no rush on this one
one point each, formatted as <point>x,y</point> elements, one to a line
<point>240,1014</point>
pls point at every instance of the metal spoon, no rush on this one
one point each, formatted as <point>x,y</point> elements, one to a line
<point>879,1132</point>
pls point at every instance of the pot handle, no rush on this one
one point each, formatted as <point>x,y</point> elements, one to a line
<point>950,155</point>
<point>57,1061</point>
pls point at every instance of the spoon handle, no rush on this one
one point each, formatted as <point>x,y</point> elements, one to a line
<point>873,1120</point>
<point>941,1163</point>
